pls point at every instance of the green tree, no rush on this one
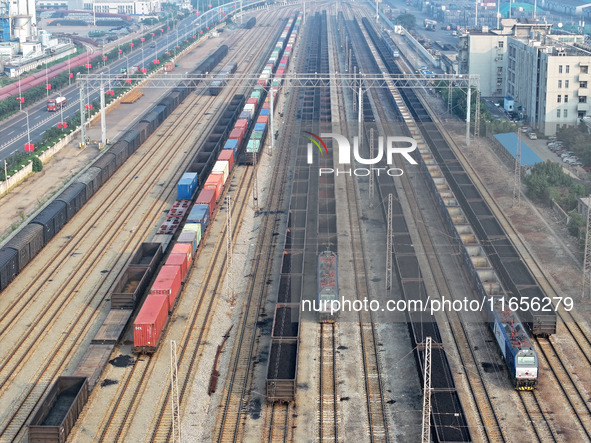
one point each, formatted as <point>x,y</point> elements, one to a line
<point>575,223</point>
<point>408,21</point>
<point>37,164</point>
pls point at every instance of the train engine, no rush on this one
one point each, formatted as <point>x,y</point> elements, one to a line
<point>328,286</point>
<point>515,345</point>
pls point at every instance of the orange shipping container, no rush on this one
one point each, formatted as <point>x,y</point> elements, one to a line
<point>215,182</point>
<point>183,248</point>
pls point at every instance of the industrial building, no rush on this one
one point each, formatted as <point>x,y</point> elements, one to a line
<point>132,7</point>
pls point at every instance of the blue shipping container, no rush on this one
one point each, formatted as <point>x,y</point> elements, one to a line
<point>187,186</point>
<point>231,144</point>
<point>264,112</point>
<point>199,214</point>
<point>245,115</point>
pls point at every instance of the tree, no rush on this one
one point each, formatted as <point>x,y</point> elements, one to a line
<point>575,223</point>
<point>408,21</point>
<point>37,164</point>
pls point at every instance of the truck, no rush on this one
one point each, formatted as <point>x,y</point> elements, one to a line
<point>169,66</point>
<point>53,104</point>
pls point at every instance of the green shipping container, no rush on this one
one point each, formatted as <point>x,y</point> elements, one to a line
<point>194,227</point>
<point>253,146</point>
<point>257,135</point>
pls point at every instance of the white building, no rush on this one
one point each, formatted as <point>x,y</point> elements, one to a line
<point>546,74</point>
<point>123,7</point>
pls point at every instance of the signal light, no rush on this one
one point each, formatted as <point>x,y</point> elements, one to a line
<point>104,58</point>
<point>48,86</point>
<point>142,39</point>
<point>71,75</point>
<point>62,125</point>
<point>20,99</point>
<point>29,147</point>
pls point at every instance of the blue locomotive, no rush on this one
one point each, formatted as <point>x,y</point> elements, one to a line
<point>515,345</point>
<point>328,286</point>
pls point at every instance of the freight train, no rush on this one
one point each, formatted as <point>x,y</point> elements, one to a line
<point>154,313</point>
<point>220,80</point>
<point>27,243</point>
<point>328,286</point>
<point>505,259</point>
<point>509,331</point>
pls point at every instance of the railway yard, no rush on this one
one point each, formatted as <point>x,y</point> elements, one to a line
<point>229,349</point>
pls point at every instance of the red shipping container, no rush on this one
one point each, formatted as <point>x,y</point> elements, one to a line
<point>267,105</point>
<point>168,282</point>
<point>280,72</point>
<point>215,182</point>
<point>263,119</point>
<point>149,323</point>
<point>237,134</point>
<point>228,155</point>
<point>252,101</point>
<point>241,124</point>
<point>179,260</point>
<point>207,197</point>
<point>183,248</point>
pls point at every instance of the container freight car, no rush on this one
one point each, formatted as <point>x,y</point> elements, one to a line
<point>149,324</point>
<point>59,410</point>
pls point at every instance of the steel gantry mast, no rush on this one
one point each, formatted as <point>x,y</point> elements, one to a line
<point>201,82</point>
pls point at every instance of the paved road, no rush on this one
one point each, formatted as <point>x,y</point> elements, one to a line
<point>14,129</point>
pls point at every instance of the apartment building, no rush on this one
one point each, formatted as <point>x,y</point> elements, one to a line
<point>545,74</point>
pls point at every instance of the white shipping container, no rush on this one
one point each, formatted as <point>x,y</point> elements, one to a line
<point>221,167</point>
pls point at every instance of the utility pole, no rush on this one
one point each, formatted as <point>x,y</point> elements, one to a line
<point>517,175</point>
<point>103,116</point>
<point>255,188</point>
<point>371,177</point>
<point>229,252</point>
<point>469,99</point>
<point>271,123</point>
<point>82,116</point>
<point>360,116</point>
<point>389,245</point>
<point>587,259</point>
<point>426,431</point>
<point>174,394</point>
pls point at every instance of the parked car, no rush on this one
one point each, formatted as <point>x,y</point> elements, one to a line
<point>525,129</point>
<point>532,136</point>
<point>559,151</point>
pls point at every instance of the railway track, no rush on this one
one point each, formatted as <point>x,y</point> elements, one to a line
<point>278,429</point>
<point>378,428</point>
<point>230,422</point>
<point>328,430</point>
<point>536,416</point>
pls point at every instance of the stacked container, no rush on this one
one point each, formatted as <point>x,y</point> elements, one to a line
<point>199,214</point>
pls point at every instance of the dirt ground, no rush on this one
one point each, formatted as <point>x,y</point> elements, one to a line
<point>23,200</point>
